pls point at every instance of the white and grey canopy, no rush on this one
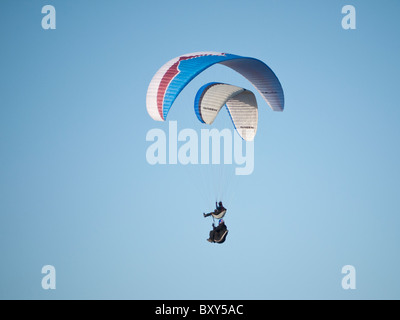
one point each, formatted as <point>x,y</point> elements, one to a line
<point>240,103</point>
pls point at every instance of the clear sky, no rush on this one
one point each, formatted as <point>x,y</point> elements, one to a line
<point>77,192</point>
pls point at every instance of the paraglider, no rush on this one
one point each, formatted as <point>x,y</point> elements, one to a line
<point>218,213</point>
<point>218,233</point>
<point>240,103</point>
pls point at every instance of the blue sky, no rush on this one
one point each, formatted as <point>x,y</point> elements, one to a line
<point>76,191</point>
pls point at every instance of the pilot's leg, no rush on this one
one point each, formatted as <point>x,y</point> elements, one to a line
<point>207,214</point>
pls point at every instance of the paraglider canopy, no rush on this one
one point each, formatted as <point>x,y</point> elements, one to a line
<point>171,78</point>
<point>240,103</point>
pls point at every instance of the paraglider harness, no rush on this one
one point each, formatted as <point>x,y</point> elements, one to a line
<point>219,215</point>
<point>223,237</point>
